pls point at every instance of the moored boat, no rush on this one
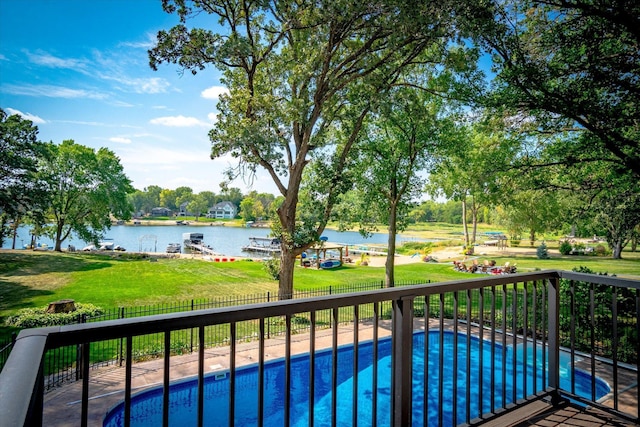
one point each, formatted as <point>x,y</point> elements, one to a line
<point>330,263</point>
<point>265,245</point>
<point>174,248</point>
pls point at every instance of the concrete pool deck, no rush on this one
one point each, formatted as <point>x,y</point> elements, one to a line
<point>62,405</point>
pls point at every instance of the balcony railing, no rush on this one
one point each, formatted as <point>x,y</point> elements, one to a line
<point>538,331</point>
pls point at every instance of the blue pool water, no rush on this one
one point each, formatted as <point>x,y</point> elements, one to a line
<point>147,406</point>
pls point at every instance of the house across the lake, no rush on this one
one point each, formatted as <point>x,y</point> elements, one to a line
<point>223,210</point>
<point>161,211</point>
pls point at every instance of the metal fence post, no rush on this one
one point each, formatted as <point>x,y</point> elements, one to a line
<point>191,345</point>
<point>79,351</point>
<point>121,356</point>
<point>268,321</point>
<point>402,350</point>
<point>554,338</point>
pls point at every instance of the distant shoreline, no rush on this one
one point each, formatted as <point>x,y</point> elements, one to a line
<point>172,222</point>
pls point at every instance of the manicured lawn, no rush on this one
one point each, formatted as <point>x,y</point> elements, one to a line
<point>33,279</point>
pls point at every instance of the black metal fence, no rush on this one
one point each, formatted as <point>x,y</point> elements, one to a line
<point>515,322</point>
<point>586,323</point>
<point>63,364</point>
<point>5,349</point>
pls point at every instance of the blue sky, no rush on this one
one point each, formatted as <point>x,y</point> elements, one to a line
<point>79,70</point>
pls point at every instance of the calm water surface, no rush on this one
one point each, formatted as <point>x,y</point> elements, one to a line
<point>224,240</point>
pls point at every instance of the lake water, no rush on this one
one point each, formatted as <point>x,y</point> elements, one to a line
<point>224,240</point>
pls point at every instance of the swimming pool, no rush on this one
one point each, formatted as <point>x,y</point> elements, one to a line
<point>146,407</point>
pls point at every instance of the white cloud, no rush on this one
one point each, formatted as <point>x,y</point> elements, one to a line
<point>28,116</point>
<point>2,57</point>
<point>145,44</point>
<point>151,85</point>
<point>120,140</point>
<point>52,91</point>
<point>178,121</point>
<point>80,122</point>
<point>48,60</point>
<point>214,92</point>
<point>121,104</point>
<point>163,157</point>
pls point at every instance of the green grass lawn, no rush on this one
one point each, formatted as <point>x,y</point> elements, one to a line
<point>33,279</point>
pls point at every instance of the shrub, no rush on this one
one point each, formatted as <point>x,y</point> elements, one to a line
<point>409,248</point>
<point>38,317</point>
<point>565,247</point>
<point>272,267</point>
<point>542,252</point>
<point>600,250</point>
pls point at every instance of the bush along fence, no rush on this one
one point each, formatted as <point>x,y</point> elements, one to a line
<point>62,364</point>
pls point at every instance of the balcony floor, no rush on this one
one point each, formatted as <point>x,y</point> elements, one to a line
<point>106,385</point>
<point>543,414</point>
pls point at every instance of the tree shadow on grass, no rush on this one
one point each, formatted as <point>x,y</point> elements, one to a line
<point>17,266</point>
<point>24,263</point>
<point>15,295</point>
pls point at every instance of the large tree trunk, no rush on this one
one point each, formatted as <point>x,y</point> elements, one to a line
<point>58,247</point>
<point>391,248</point>
<point>532,237</point>
<point>287,217</point>
<point>474,218</point>
<point>287,266</point>
<point>617,249</point>
<point>464,222</point>
<point>16,224</point>
<point>3,228</point>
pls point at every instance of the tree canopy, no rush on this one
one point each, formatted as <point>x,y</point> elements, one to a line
<point>84,188</point>
<point>20,150</point>
<point>302,77</point>
<point>573,65</point>
<point>19,187</point>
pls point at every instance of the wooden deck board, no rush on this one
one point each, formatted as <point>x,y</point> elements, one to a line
<point>541,413</point>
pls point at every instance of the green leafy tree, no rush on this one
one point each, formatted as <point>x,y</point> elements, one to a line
<point>184,196</point>
<point>198,203</point>
<point>84,188</point>
<point>601,196</point>
<point>300,75</point>
<point>145,200</point>
<point>573,65</point>
<point>20,191</point>
<point>251,209</point>
<point>535,211</point>
<point>210,198</point>
<point>230,194</point>
<point>613,207</point>
<point>397,144</point>
<point>169,199</point>
<point>472,171</point>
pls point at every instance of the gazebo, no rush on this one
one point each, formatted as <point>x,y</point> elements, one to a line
<point>322,248</point>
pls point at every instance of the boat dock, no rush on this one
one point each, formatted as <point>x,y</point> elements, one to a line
<point>204,249</point>
<point>265,245</point>
<point>195,242</point>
